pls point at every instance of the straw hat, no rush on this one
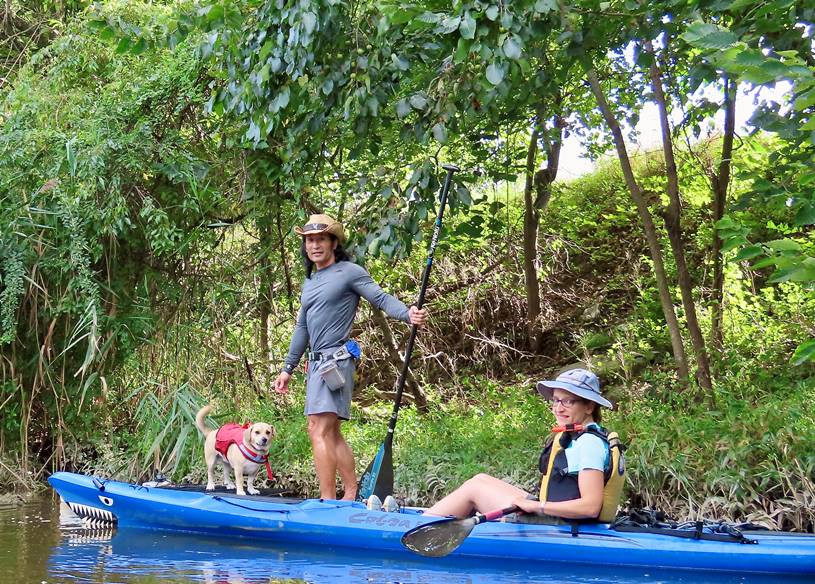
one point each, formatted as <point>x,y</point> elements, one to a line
<point>322,224</point>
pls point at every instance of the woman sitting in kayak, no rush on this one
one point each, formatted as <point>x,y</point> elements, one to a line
<point>574,482</point>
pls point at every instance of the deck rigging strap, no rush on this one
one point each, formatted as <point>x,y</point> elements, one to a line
<point>655,521</point>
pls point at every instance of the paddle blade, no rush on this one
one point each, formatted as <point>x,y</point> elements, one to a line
<point>437,539</point>
<point>378,477</point>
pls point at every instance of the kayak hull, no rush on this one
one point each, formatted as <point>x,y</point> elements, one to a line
<point>349,524</point>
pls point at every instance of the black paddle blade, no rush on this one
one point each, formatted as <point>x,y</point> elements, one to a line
<point>378,477</point>
<point>437,539</point>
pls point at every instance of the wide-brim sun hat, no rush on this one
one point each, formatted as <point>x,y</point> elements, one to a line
<point>579,382</point>
<point>322,223</point>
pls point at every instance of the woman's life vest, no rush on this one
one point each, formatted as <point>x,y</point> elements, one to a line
<point>558,485</point>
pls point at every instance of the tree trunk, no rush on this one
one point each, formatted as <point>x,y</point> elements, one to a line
<point>284,256</point>
<point>673,225</point>
<point>648,225</point>
<point>265,287</point>
<point>534,337</point>
<point>541,181</point>
<point>720,183</point>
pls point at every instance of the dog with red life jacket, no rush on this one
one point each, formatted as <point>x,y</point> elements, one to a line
<point>242,448</point>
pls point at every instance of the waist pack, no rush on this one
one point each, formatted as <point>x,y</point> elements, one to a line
<point>330,371</point>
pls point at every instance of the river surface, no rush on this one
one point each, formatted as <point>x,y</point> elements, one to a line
<point>43,542</point>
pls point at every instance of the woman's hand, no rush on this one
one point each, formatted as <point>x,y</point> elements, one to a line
<point>417,316</point>
<point>528,505</point>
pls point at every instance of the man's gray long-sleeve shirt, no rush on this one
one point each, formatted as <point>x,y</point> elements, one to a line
<point>328,304</point>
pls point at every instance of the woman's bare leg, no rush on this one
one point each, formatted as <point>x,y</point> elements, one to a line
<point>482,493</point>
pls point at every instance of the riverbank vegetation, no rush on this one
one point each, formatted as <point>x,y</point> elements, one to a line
<point>154,159</point>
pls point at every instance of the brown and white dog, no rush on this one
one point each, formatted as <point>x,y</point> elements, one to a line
<point>243,449</point>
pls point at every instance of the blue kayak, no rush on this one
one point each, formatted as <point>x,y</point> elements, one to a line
<point>348,524</point>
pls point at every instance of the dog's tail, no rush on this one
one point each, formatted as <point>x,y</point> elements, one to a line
<point>199,420</point>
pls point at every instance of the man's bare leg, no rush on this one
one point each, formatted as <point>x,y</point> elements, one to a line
<point>321,432</point>
<point>345,465</point>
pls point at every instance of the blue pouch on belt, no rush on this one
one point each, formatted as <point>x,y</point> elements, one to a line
<point>353,347</point>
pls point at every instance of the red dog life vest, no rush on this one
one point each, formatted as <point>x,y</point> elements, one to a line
<point>232,433</point>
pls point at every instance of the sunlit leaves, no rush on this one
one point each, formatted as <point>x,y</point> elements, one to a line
<point>512,48</point>
<point>467,26</point>
<point>805,352</point>
<point>495,73</point>
<point>709,36</point>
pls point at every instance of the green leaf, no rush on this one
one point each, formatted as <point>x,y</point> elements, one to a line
<point>806,178</point>
<point>309,22</point>
<point>467,26</point>
<point>545,6</point>
<point>400,63</point>
<point>804,100</point>
<point>748,253</point>
<point>726,222</point>
<point>123,46</point>
<point>805,352</point>
<point>709,36</point>
<point>139,47</point>
<point>265,50</point>
<point>215,13</point>
<point>402,108</point>
<point>805,214</point>
<point>799,272</point>
<point>107,34</point>
<point>450,24</point>
<point>766,262</point>
<point>739,4</point>
<point>462,50</point>
<point>784,245</point>
<point>418,101</point>
<point>70,155</point>
<point>495,73</point>
<point>511,48</point>
<point>492,13</point>
<point>440,133</point>
<point>428,17</point>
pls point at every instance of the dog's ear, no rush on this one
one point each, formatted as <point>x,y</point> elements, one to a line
<point>247,435</point>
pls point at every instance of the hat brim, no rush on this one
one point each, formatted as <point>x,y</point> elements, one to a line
<point>335,230</point>
<point>547,388</point>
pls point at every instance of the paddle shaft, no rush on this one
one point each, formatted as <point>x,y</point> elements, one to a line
<point>400,384</point>
<point>378,477</point>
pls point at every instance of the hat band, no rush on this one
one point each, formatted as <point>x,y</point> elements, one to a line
<point>315,226</point>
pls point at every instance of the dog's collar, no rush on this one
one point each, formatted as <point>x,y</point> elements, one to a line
<point>248,454</point>
<point>256,458</point>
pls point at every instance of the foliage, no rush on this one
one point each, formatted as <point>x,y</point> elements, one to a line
<point>769,44</point>
<point>153,159</point>
<point>104,190</point>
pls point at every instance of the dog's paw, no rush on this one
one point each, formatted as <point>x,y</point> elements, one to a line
<point>253,491</point>
<point>210,486</point>
<point>230,486</point>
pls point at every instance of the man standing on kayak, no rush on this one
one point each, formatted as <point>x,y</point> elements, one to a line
<point>328,303</point>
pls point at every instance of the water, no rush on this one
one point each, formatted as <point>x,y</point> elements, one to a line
<point>42,542</point>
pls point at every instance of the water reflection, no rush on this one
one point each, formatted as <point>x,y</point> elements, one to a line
<point>135,555</point>
<point>55,547</point>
